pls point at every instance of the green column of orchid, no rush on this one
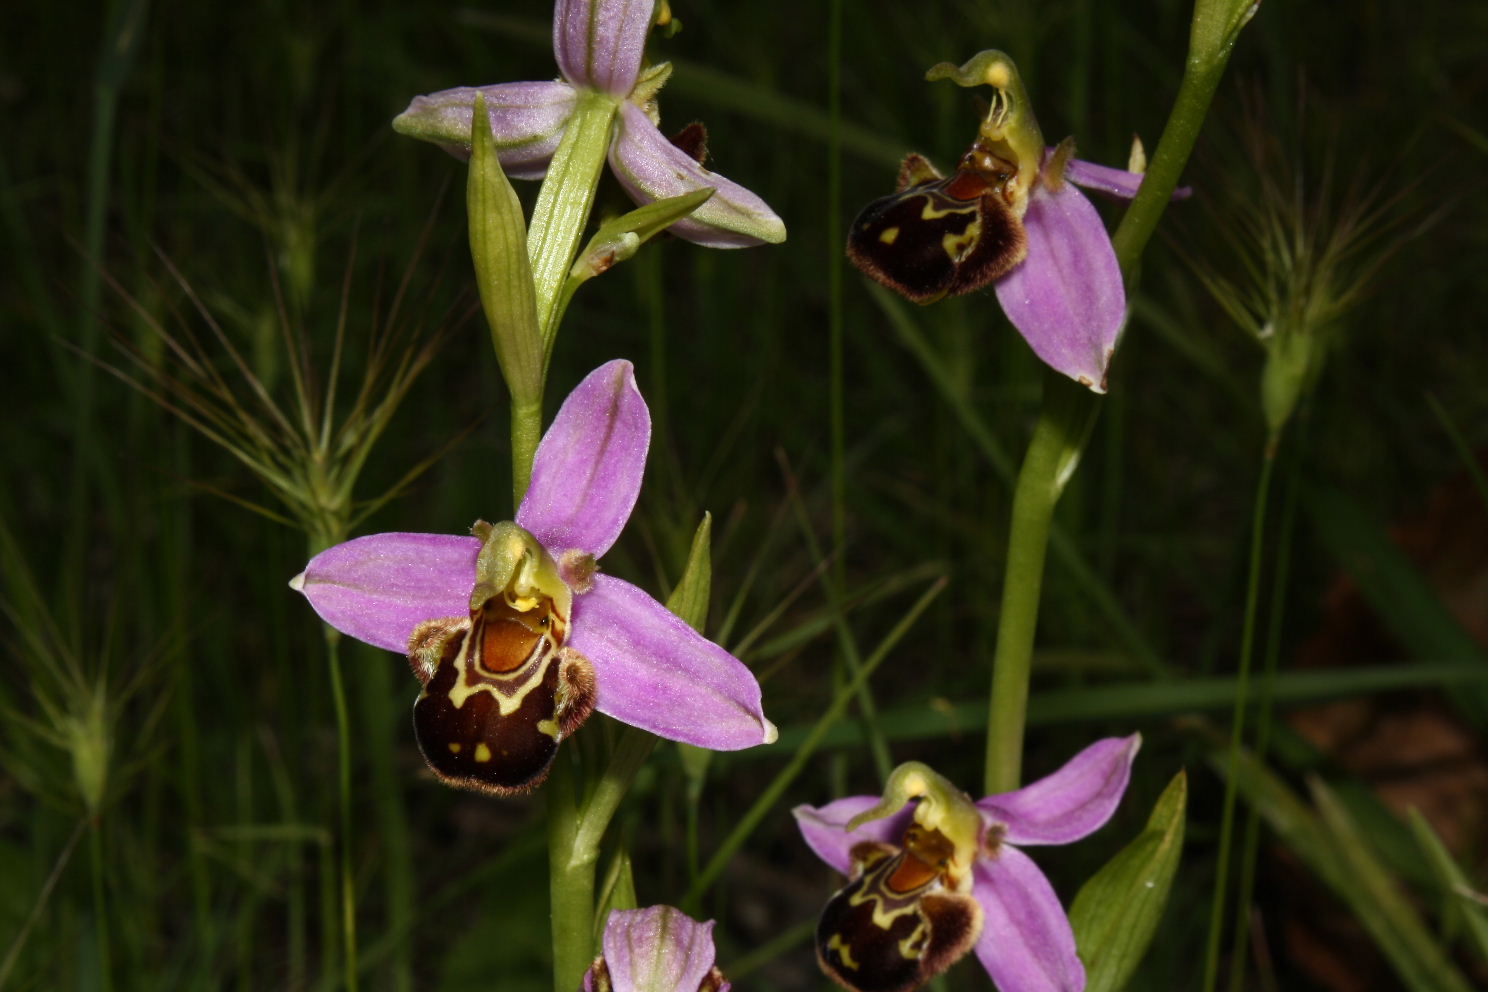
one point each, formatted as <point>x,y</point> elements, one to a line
<point>1069,411</point>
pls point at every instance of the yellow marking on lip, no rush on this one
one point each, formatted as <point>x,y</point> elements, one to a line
<point>889,235</point>
<point>843,951</point>
<point>883,917</point>
<point>930,213</point>
<point>957,245</point>
<point>907,949</point>
<point>529,675</point>
<point>482,753</point>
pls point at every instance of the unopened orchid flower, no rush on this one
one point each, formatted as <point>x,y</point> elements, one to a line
<point>1009,215</point>
<point>933,875</point>
<point>599,46</point>
<point>659,949</point>
<point>515,634</point>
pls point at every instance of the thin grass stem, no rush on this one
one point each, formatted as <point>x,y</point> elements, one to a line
<point>98,863</point>
<point>1275,615</point>
<point>1237,728</point>
<point>847,646</point>
<point>19,941</point>
<point>343,792</point>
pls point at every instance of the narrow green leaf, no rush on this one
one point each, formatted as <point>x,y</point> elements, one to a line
<point>498,246</point>
<point>1461,903</point>
<point>617,891</point>
<point>1330,843</point>
<point>619,238</point>
<point>1375,897</point>
<point>646,222</point>
<point>689,600</point>
<point>1117,911</point>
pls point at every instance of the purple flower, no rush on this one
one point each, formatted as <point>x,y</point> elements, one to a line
<point>515,634</point>
<point>1008,215</point>
<point>660,949</point>
<point>1067,298</point>
<point>930,881</point>
<point>599,45</point>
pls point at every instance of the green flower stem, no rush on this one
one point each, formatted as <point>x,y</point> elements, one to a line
<point>570,885</point>
<point>574,835</point>
<point>1190,107</point>
<point>1237,723</point>
<point>526,432</point>
<point>343,792</point>
<point>1064,424</point>
<point>1275,612</point>
<point>98,863</point>
<point>563,205</point>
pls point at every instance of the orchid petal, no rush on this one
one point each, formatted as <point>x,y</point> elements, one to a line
<point>1026,943</point>
<point>380,587</point>
<point>825,828</point>
<point>600,43</point>
<point>659,949</point>
<point>1071,803</point>
<point>659,674</point>
<point>1116,182</point>
<point>587,471</point>
<point>651,168</point>
<point>1067,297</point>
<point>527,120</point>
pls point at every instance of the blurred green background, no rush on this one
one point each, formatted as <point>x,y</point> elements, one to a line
<point>167,748</point>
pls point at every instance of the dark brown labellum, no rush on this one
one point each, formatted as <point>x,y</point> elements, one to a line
<point>940,236</point>
<point>500,693</point>
<point>894,926</point>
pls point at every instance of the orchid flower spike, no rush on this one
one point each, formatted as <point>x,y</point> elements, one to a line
<point>599,46</point>
<point>659,949</point>
<point>933,875</point>
<point>1009,215</point>
<point>516,635</point>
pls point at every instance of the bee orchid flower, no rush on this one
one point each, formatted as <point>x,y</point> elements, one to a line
<point>599,46</point>
<point>659,949</point>
<point>516,635</point>
<point>933,875</point>
<point>1009,215</point>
